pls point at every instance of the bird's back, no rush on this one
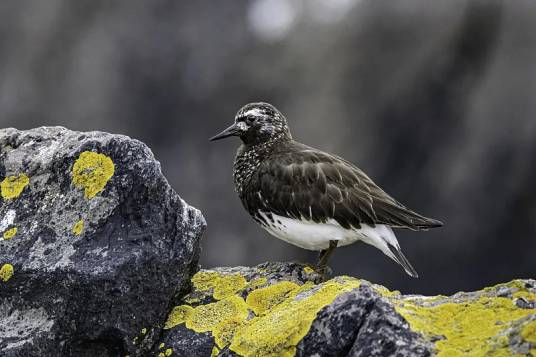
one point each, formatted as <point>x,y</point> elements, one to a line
<point>294,180</point>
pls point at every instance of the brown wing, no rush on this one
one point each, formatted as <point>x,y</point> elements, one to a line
<point>318,186</point>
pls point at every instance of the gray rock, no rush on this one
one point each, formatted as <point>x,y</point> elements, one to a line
<point>281,309</point>
<point>94,244</point>
<point>335,329</point>
<point>97,255</point>
<point>384,332</point>
<point>185,342</point>
<point>361,323</point>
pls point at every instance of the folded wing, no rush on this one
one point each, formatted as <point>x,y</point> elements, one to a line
<point>317,186</point>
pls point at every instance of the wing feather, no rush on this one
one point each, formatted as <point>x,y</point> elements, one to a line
<point>317,186</point>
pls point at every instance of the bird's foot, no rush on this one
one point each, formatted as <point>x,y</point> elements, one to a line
<point>324,271</point>
<point>322,267</point>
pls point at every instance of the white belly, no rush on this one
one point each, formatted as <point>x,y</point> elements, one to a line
<point>316,236</point>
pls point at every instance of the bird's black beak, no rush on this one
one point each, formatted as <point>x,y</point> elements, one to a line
<point>233,130</point>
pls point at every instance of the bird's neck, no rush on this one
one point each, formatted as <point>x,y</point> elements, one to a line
<point>249,157</point>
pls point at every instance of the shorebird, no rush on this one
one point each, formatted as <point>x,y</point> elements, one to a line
<point>310,198</point>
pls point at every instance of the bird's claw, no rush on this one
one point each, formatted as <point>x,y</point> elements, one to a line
<point>324,272</point>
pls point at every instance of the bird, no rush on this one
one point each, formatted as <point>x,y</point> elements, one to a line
<point>310,198</point>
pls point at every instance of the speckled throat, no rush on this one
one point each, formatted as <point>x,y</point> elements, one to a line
<point>248,159</point>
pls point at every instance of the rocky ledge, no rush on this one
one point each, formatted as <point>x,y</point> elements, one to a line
<point>98,257</point>
<point>279,309</point>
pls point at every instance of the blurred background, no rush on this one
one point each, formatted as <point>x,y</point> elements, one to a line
<point>436,101</point>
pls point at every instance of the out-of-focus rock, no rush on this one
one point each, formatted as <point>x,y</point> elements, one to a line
<point>94,244</point>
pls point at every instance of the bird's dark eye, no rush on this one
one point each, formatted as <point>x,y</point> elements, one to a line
<point>250,120</point>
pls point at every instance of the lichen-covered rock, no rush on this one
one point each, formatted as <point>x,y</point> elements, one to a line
<point>280,309</point>
<point>495,321</point>
<point>94,244</point>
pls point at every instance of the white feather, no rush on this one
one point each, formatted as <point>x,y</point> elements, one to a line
<point>255,112</point>
<point>307,234</point>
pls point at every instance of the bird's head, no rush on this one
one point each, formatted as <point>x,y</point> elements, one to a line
<point>256,123</point>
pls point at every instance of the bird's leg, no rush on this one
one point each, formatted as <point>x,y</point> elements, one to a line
<point>323,258</point>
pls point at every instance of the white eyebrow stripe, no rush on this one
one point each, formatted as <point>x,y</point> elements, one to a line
<point>256,112</point>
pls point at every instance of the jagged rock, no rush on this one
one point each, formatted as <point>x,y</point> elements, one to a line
<point>280,309</point>
<point>94,244</point>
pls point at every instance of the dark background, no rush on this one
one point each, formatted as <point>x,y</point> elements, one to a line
<point>435,100</point>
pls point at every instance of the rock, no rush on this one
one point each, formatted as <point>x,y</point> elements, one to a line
<point>360,323</point>
<point>97,255</point>
<point>94,244</point>
<point>280,309</point>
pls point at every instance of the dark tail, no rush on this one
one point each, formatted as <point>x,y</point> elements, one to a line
<point>396,215</point>
<point>416,221</point>
<point>403,261</point>
<point>424,223</point>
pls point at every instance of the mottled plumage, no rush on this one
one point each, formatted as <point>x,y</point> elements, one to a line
<point>308,197</point>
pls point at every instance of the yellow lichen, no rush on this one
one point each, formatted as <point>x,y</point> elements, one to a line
<point>277,332</point>
<point>525,295</point>
<point>514,284</point>
<point>308,270</point>
<point>224,332</point>
<point>143,331</point>
<point>190,299</point>
<point>215,351</point>
<point>303,288</point>
<point>205,280</point>
<point>264,299</point>
<point>12,186</point>
<point>386,292</point>
<point>255,283</point>
<point>91,172</point>
<point>162,345</point>
<point>6,272</point>
<point>168,352</point>
<point>78,227</point>
<point>178,316</point>
<point>161,354</point>
<point>529,332</point>
<point>466,327</point>
<point>206,317</point>
<point>222,285</point>
<point>274,319</point>
<point>10,233</point>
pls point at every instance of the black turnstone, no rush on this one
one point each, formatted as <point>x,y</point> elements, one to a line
<point>309,198</point>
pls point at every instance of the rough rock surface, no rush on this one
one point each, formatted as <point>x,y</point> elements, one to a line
<point>97,255</point>
<point>280,309</point>
<point>94,244</point>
